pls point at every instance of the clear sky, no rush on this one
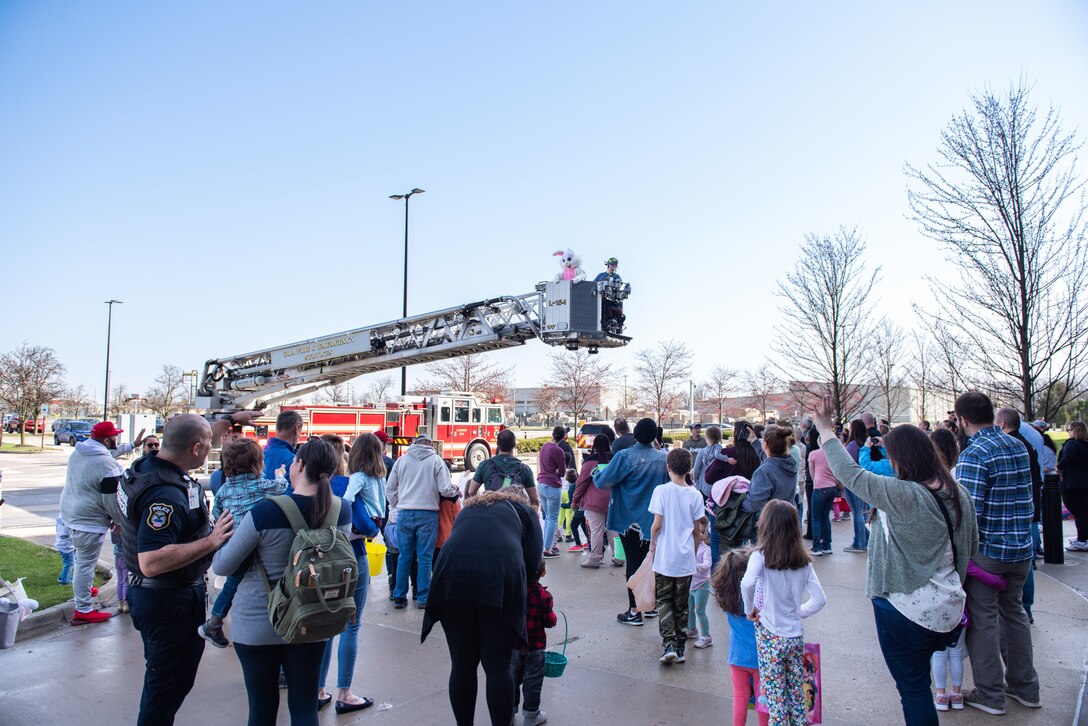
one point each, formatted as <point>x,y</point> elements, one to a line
<point>224,168</point>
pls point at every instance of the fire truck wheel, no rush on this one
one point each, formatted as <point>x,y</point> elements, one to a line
<point>476,455</point>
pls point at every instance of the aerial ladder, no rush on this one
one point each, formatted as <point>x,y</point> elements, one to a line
<point>574,315</point>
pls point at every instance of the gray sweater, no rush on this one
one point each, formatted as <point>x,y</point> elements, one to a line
<point>267,532</point>
<point>904,557</point>
<point>417,480</point>
<point>92,473</point>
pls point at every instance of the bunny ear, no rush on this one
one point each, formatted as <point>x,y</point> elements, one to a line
<point>558,254</point>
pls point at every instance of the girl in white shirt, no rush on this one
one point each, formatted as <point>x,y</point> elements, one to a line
<point>779,573</point>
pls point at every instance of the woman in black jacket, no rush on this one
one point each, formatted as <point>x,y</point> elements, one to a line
<point>478,593</point>
<point>1073,467</point>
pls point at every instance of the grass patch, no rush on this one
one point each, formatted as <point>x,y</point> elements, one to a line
<point>17,449</point>
<point>40,566</point>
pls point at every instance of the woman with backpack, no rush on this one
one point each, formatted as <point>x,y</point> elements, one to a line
<point>593,500</point>
<point>267,532</point>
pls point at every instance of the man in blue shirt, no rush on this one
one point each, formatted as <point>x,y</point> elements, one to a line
<point>995,470</point>
<point>280,451</point>
<point>609,274</point>
<point>612,317</point>
<point>632,475</point>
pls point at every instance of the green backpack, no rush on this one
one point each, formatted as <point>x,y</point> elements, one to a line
<point>314,598</point>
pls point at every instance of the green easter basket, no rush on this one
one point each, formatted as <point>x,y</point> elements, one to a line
<point>555,663</point>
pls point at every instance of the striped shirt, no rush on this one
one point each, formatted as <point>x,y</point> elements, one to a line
<point>995,471</point>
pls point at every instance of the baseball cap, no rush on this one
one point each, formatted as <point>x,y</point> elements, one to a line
<point>104,429</point>
<point>382,437</point>
<point>422,439</point>
<point>695,426</point>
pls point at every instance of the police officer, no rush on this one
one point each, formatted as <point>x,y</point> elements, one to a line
<point>168,543</point>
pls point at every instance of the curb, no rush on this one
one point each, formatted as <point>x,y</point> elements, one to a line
<point>60,615</point>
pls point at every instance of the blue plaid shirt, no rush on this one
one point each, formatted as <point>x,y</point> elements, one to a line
<point>239,494</point>
<point>995,471</point>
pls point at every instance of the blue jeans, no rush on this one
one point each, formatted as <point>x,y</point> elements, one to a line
<point>226,596</point>
<point>550,498</point>
<point>416,532</point>
<point>907,649</point>
<point>822,499</point>
<point>349,639</point>
<point>715,546</point>
<point>859,507</point>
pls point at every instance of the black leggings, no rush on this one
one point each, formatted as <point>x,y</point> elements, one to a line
<point>1076,501</point>
<point>261,670</point>
<point>634,549</point>
<point>579,521</point>
<point>476,633</point>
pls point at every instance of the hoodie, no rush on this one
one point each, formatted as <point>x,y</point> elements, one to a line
<point>776,478</point>
<point>417,480</point>
<point>88,501</point>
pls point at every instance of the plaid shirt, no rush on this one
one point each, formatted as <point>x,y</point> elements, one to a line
<point>995,471</point>
<point>538,615</point>
<point>239,494</point>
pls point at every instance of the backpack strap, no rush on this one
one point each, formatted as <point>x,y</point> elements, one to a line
<point>291,511</point>
<point>334,513</point>
<point>948,523</point>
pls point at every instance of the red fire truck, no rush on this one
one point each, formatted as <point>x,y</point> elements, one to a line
<point>462,427</point>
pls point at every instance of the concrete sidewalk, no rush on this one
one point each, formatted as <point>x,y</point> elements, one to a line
<point>93,673</point>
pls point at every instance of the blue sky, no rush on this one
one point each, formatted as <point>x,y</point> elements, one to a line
<point>224,168</point>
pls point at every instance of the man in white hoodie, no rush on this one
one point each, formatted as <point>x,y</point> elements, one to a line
<point>416,482</point>
<point>88,505</point>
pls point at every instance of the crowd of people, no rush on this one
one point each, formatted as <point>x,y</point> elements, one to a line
<point>948,519</point>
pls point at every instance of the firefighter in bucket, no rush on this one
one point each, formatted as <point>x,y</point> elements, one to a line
<point>612,317</point>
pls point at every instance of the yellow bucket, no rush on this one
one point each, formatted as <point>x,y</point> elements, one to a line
<point>375,555</point>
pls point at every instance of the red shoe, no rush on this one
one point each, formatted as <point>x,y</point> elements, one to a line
<point>93,616</point>
<point>94,591</point>
<point>576,548</point>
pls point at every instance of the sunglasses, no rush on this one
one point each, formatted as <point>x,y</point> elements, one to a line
<point>151,446</point>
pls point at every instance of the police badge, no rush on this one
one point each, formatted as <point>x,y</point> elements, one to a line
<point>159,516</point>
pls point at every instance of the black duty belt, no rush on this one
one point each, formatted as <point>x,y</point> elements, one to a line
<point>162,583</point>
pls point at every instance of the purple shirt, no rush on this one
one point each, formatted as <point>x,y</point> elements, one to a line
<point>551,465</point>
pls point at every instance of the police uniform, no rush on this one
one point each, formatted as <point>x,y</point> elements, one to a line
<point>162,505</point>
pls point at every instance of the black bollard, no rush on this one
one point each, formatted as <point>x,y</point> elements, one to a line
<point>1053,547</point>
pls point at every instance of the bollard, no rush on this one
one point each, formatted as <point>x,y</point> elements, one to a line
<point>1053,546</point>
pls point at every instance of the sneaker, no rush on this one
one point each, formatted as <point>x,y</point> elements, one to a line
<point>973,699</point>
<point>669,656</point>
<point>704,641</point>
<point>576,548</point>
<point>955,700</point>
<point>551,554</point>
<point>851,548</point>
<point>122,606</point>
<point>629,618</point>
<point>691,633</point>
<point>400,603</point>
<point>568,538</point>
<point>846,517</point>
<point>650,613</point>
<point>421,605</point>
<point>1077,545</point>
<point>91,616</point>
<point>591,565</point>
<point>618,563</point>
<point>827,551</point>
<point>940,701</point>
<point>535,718</point>
<point>815,552</point>
<point>213,635</point>
<point>1023,701</point>
<point>680,656</point>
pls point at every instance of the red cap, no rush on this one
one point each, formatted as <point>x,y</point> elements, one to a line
<point>382,437</point>
<point>103,429</point>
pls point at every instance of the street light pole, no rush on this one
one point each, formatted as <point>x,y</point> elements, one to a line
<point>109,330</point>
<point>404,309</point>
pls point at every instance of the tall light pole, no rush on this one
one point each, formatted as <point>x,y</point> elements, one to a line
<point>404,310</point>
<point>109,330</point>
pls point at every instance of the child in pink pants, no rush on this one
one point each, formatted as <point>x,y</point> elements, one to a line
<point>743,660</point>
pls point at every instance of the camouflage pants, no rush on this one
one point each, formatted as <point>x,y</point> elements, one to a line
<point>672,609</point>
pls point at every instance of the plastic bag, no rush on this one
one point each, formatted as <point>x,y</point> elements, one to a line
<point>643,585</point>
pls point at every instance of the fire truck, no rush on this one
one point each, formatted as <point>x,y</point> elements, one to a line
<point>568,314</point>
<point>462,426</point>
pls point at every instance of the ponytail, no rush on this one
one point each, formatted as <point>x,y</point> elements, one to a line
<point>319,461</point>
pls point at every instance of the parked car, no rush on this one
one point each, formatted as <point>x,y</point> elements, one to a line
<point>590,430</point>
<point>11,423</point>
<point>57,424</point>
<point>72,433</point>
<point>91,421</point>
<point>34,425</point>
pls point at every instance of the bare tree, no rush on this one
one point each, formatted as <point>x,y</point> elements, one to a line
<point>336,394</point>
<point>920,370</point>
<point>576,379</point>
<point>718,386</point>
<point>761,384</point>
<point>546,398</point>
<point>1006,204</point>
<point>119,400</point>
<point>30,376</point>
<point>76,402</point>
<point>660,371</point>
<point>380,390</point>
<point>887,364</point>
<point>471,374</point>
<point>830,288</point>
<point>169,394</point>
